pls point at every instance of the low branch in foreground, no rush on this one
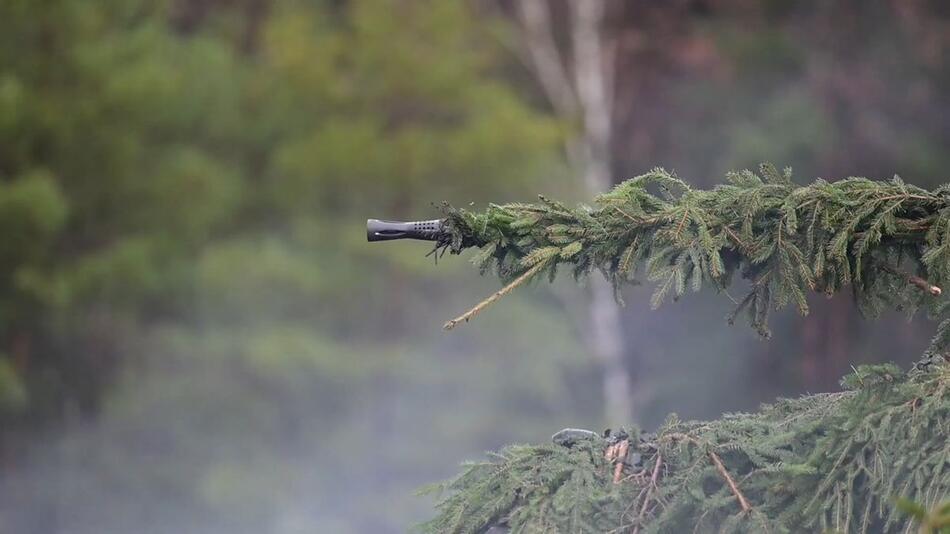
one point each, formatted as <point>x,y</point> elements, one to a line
<point>819,463</point>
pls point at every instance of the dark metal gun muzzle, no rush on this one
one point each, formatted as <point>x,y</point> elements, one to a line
<point>377,230</point>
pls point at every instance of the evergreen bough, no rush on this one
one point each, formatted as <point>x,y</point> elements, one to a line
<point>833,462</point>
<point>889,242</point>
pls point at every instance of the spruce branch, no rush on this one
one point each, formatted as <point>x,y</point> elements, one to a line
<point>786,240</point>
<point>717,462</point>
<point>833,461</point>
<point>925,285</point>
<point>658,463</point>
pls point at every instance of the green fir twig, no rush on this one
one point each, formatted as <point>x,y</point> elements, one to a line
<point>887,241</point>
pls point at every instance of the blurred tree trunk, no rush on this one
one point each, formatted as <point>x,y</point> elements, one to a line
<point>587,99</point>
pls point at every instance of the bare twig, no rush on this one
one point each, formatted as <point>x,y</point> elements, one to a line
<point>524,277</point>
<point>646,500</point>
<point>916,281</point>
<point>627,215</point>
<point>735,237</point>
<point>732,483</point>
<point>682,224</point>
<point>743,502</point>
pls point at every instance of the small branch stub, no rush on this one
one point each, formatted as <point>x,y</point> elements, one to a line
<point>921,283</point>
<point>925,285</point>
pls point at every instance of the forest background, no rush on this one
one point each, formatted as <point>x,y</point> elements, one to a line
<point>194,334</point>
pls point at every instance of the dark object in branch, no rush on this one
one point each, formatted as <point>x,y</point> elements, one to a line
<point>569,436</point>
<point>377,230</point>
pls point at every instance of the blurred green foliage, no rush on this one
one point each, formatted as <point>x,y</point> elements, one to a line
<point>183,264</point>
<point>936,521</point>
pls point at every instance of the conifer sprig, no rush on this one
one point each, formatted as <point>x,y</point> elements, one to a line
<point>831,462</point>
<point>888,241</point>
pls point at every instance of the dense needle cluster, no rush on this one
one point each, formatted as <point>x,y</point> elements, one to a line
<point>832,462</point>
<point>889,242</point>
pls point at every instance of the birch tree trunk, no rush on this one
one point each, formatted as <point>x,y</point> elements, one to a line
<point>587,97</point>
